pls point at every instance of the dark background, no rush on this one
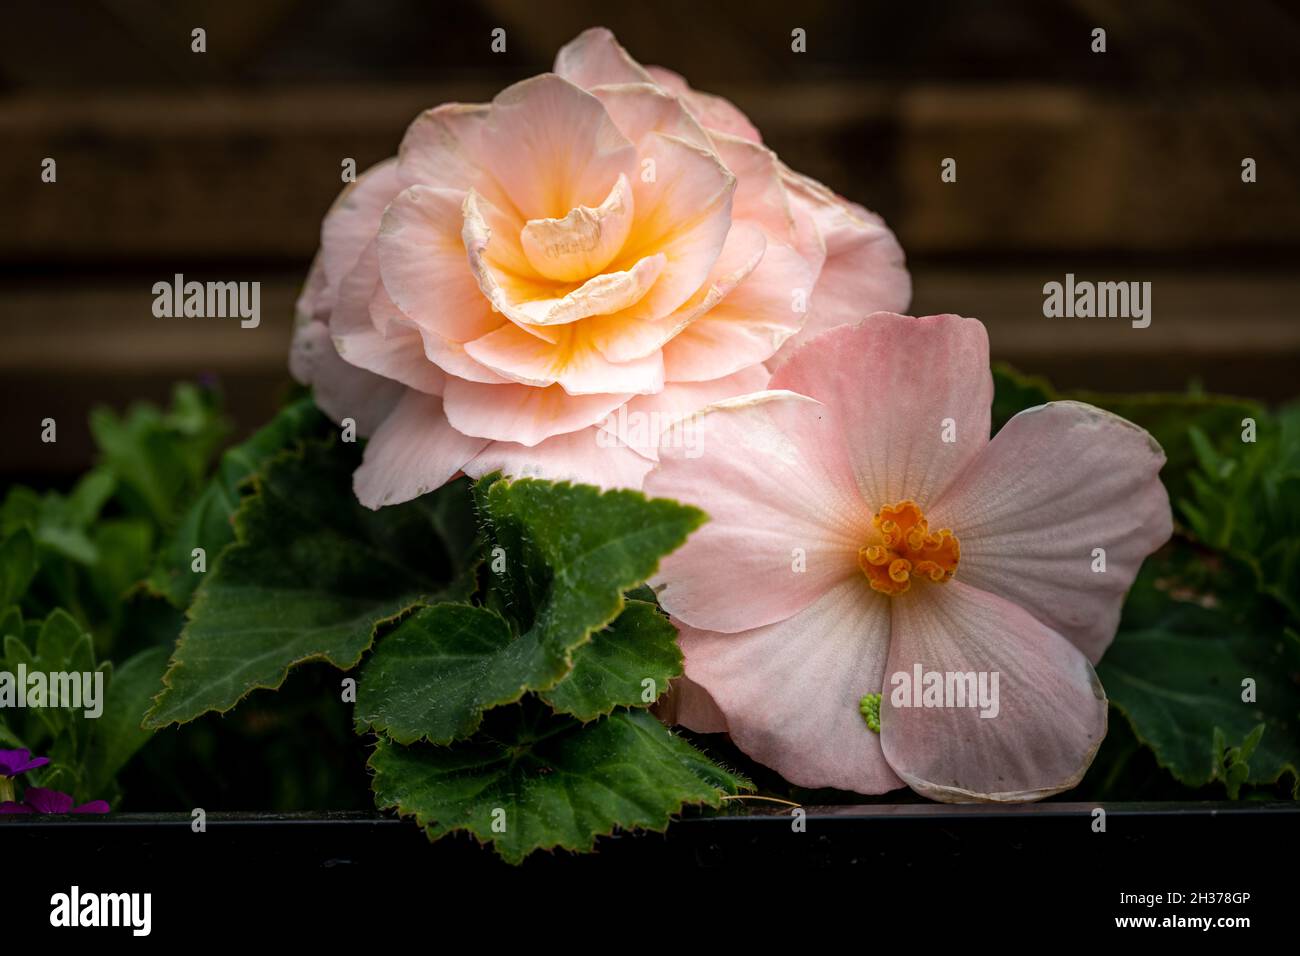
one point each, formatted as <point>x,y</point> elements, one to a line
<point>1122,166</point>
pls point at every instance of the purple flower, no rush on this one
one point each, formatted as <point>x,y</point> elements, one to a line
<point>14,762</point>
<point>10,807</point>
<point>55,801</point>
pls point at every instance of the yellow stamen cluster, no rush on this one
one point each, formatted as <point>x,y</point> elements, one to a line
<point>907,548</point>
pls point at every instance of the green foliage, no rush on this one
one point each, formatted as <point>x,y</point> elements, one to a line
<point>627,664</point>
<point>207,522</point>
<point>565,554</point>
<point>311,576</point>
<point>73,741</point>
<point>536,780</point>
<point>70,568</point>
<point>502,627</point>
<point>1176,671</point>
<point>160,458</point>
<point>1221,604</point>
<point>1245,500</point>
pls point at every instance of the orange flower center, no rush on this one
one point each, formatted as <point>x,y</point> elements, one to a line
<point>907,548</point>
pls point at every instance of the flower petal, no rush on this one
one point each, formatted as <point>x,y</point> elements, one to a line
<point>582,243</point>
<point>574,362</point>
<point>413,452</point>
<point>595,57</point>
<point>442,148</point>
<point>1055,483</point>
<point>341,390</point>
<point>452,359</point>
<point>396,353</point>
<point>790,691</point>
<point>424,267</point>
<point>900,388</point>
<point>523,414</point>
<point>639,109</point>
<point>761,194</point>
<point>621,338</point>
<point>351,224</point>
<point>1050,713</point>
<point>689,704</point>
<point>864,269</point>
<point>552,147</point>
<point>582,456</point>
<point>750,322</point>
<point>642,422</point>
<point>43,800</point>
<point>785,518</point>
<point>713,112</point>
<point>684,213</point>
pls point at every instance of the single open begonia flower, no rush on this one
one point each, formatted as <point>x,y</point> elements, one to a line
<point>538,284</point>
<point>885,596</point>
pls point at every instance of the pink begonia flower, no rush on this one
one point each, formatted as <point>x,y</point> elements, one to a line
<point>539,284</point>
<point>864,529</point>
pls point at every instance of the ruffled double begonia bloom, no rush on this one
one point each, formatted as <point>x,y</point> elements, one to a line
<point>539,284</point>
<point>865,533</point>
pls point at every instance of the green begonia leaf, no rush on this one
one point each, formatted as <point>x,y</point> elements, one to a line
<point>311,575</point>
<point>1176,671</point>
<point>207,523</point>
<point>562,556</point>
<point>532,780</point>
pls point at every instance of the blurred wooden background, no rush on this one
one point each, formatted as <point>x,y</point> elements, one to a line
<point>1122,166</point>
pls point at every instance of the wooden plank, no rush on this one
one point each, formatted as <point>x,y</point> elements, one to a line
<point>221,175</point>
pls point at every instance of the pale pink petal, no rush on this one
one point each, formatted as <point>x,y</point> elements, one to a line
<point>1057,482</point>
<point>689,704</point>
<point>442,148</point>
<point>713,112</point>
<point>581,244</point>
<point>583,457</point>
<point>638,110</point>
<point>603,294</point>
<point>621,338</point>
<point>864,269</point>
<point>413,452</point>
<point>552,147</point>
<point>595,57</point>
<point>311,303</point>
<point>790,691</point>
<point>761,195</point>
<point>749,324</point>
<point>398,351</point>
<point>452,359</point>
<point>573,362</point>
<point>537,304</point>
<point>424,267</point>
<point>1050,713</point>
<point>341,390</point>
<point>642,421</point>
<point>522,414</point>
<point>351,224</point>
<point>683,214</point>
<point>900,388</point>
<point>785,518</point>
